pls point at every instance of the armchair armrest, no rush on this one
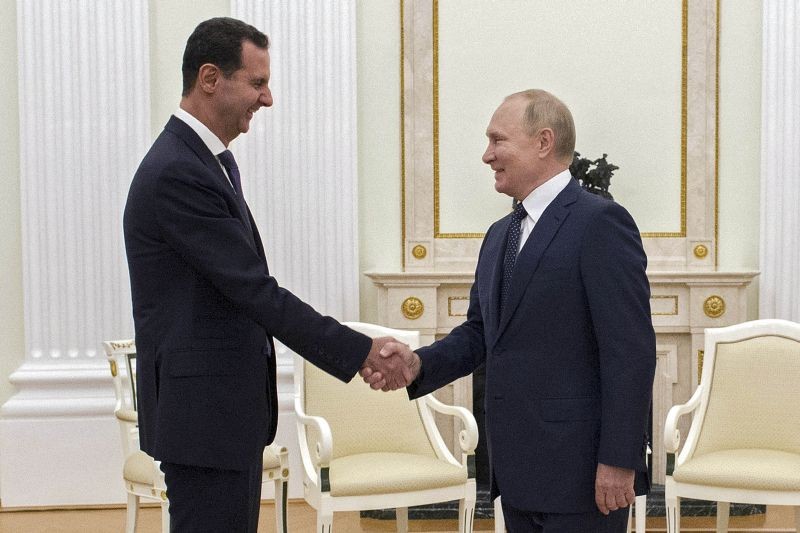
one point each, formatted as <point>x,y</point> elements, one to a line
<point>672,437</point>
<point>324,446</point>
<point>468,437</point>
<point>127,415</point>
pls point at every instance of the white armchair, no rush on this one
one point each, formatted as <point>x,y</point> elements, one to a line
<point>363,449</point>
<point>743,444</point>
<point>141,473</point>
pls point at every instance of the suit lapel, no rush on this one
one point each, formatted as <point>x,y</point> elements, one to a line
<point>528,259</point>
<point>188,135</point>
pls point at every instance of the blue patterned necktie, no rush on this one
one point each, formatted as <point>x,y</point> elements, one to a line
<point>512,244</point>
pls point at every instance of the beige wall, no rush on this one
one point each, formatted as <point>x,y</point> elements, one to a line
<point>379,142</point>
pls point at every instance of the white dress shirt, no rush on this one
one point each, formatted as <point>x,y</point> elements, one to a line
<point>538,200</point>
<point>206,135</point>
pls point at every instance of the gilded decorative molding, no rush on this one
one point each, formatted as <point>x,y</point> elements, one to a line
<point>412,308</point>
<point>716,146</point>
<point>113,365</point>
<point>419,252</point>
<point>700,251</point>
<point>700,354</point>
<point>122,345</point>
<point>714,306</point>
<point>450,305</point>
<point>673,311</point>
<point>402,136</point>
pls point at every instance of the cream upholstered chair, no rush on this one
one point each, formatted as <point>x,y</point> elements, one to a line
<point>363,449</point>
<point>141,473</point>
<point>743,444</point>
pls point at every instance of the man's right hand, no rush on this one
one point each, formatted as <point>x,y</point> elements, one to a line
<point>390,365</point>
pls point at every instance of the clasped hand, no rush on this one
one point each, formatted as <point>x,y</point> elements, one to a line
<point>390,365</point>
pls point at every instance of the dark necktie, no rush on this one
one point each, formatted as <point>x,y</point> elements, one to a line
<point>512,244</point>
<point>228,161</point>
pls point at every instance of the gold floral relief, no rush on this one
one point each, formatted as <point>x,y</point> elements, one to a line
<point>714,306</point>
<point>412,308</point>
<point>700,251</point>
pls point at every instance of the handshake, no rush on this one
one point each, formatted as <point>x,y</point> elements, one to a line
<point>390,365</point>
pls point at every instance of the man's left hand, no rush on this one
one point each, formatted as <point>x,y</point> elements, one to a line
<point>613,488</point>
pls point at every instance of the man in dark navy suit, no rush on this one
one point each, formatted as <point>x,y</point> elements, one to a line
<point>560,315</point>
<point>204,304</point>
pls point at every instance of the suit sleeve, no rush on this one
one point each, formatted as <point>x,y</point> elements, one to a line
<point>459,353</point>
<point>613,266</point>
<point>196,222</point>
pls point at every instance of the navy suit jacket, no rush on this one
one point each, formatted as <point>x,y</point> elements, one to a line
<point>569,362</point>
<point>205,309</point>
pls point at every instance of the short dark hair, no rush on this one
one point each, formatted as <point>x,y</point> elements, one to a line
<point>218,41</point>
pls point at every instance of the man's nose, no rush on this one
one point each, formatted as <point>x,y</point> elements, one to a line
<point>488,155</point>
<point>266,98</point>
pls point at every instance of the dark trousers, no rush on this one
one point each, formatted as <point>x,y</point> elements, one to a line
<point>518,521</point>
<point>212,500</point>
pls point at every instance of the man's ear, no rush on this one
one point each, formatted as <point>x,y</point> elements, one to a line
<point>207,77</point>
<point>547,141</point>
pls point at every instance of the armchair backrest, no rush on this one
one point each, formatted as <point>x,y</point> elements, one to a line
<point>122,360</point>
<point>752,375</point>
<point>121,357</point>
<point>363,420</point>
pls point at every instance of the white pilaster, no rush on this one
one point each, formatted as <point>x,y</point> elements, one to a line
<point>84,125</point>
<point>299,167</point>
<point>780,162</point>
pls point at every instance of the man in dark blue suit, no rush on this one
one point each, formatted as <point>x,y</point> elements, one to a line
<point>205,307</point>
<point>559,313</point>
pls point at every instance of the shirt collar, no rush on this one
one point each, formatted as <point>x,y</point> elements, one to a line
<point>540,197</point>
<point>206,135</point>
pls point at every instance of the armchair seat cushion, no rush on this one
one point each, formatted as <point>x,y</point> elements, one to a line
<point>382,473</point>
<point>139,468</point>
<point>755,469</point>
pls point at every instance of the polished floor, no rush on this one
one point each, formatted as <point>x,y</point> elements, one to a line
<point>302,520</point>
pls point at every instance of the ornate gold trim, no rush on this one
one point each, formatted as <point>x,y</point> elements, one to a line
<point>437,234</point>
<point>450,305</point>
<point>700,251</point>
<point>700,355</point>
<point>419,252</point>
<point>402,136</point>
<point>714,306</point>
<point>716,147</point>
<point>674,299</point>
<point>113,365</point>
<point>412,308</point>
<point>121,345</point>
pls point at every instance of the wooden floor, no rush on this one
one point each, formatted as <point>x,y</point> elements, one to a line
<point>302,519</point>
